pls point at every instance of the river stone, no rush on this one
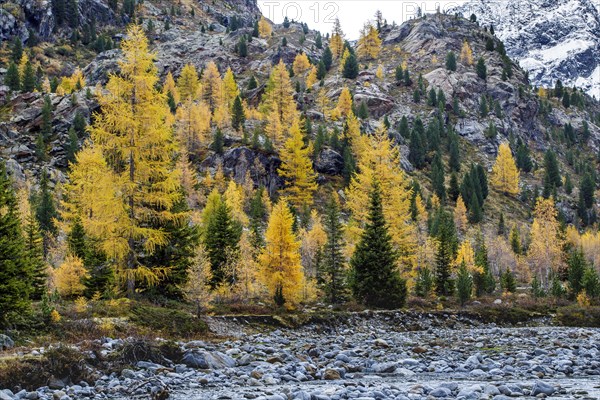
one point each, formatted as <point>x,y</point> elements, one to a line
<point>542,387</point>
<point>331,375</point>
<point>6,395</point>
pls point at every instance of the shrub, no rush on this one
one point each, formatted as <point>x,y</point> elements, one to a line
<point>168,321</point>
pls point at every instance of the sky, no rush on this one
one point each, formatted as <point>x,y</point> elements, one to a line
<point>352,14</point>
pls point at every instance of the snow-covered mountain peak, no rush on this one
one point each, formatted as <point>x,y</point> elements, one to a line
<point>553,39</point>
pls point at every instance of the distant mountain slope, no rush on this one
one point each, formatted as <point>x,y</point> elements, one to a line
<point>552,39</point>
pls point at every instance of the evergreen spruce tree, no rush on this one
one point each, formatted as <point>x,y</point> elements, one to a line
<point>16,49</point>
<point>252,84</point>
<point>403,129</point>
<point>47,109</point>
<point>424,282</point>
<point>12,78</point>
<point>258,216</point>
<point>464,284</point>
<point>453,188</point>
<point>15,270</point>
<point>34,249</point>
<point>242,47</point>
<point>332,277</point>
<point>238,117</point>
<point>318,41</point>
<point>566,99</point>
<point>327,58</point>
<point>481,68</point>
<point>445,254</point>
<point>45,210</point>
<point>438,177</point>
<point>28,78</point>
<point>523,158</point>
<point>454,161</point>
<point>221,238</point>
<point>501,225</point>
<point>484,280</point>
<point>552,178</point>
<point>591,283</point>
<point>508,281</point>
<point>375,279</point>
<point>218,142</point>
<point>451,61</point>
<point>178,253</point>
<point>350,70</point>
<point>576,269</point>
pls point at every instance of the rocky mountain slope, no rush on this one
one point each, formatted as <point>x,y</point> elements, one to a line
<point>553,39</point>
<point>205,35</point>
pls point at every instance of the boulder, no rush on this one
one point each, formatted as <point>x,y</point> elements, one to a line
<point>329,162</point>
<point>6,342</point>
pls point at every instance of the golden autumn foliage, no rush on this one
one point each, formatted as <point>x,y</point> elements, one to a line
<point>264,27</point>
<point>382,162</point>
<point>193,125</point>
<point>132,156</point>
<point>234,198</point>
<point>466,54</point>
<point>70,84</point>
<point>336,43</point>
<point>466,255</point>
<point>544,255</point>
<point>344,104</point>
<point>296,168</point>
<point>311,77</point>
<point>170,87</point>
<point>542,94</point>
<point>379,72</point>
<point>505,175</point>
<point>230,88</point>
<point>280,259</point>
<point>278,104</point>
<point>188,84</point>
<point>460,215</point>
<point>369,43</point>
<point>68,278</point>
<point>300,64</point>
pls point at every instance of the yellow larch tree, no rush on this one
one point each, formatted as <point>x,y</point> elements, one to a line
<point>505,175</point>
<point>264,28</point>
<point>246,269</point>
<point>170,87</point>
<point>345,55</point>
<point>69,84</point>
<point>230,88</point>
<point>542,93</point>
<point>379,72</point>
<point>281,270</point>
<point>212,86</point>
<point>311,77</point>
<point>544,254</point>
<point>134,145</point>
<point>273,128</point>
<point>336,43</point>
<point>460,215</point>
<point>466,54</point>
<point>344,104</point>
<point>188,83</point>
<point>323,103</point>
<point>278,99</point>
<point>382,162</point>
<point>234,198</point>
<point>296,168</point>
<point>193,125</point>
<point>369,43</point>
<point>467,255</point>
<point>68,278</point>
<point>312,241</point>
<point>300,64</point>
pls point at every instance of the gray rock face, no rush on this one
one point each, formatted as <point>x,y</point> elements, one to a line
<point>207,360</point>
<point>329,162</point>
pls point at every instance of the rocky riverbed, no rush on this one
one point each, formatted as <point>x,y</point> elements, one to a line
<point>365,358</point>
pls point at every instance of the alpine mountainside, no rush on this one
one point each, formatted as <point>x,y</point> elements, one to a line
<point>182,158</point>
<point>554,39</point>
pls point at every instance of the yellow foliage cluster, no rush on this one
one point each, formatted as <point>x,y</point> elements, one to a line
<point>369,43</point>
<point>70,84</point>
<point>505,175</point>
